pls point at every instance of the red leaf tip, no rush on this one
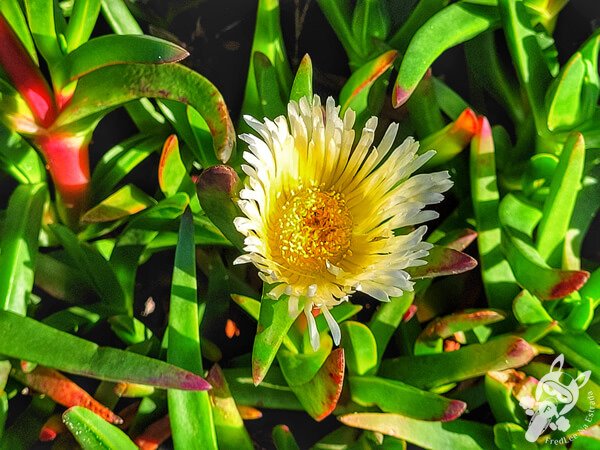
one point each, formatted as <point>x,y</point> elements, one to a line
<point>454,410</point>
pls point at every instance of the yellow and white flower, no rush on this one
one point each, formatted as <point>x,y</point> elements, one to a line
<point>320,213</point>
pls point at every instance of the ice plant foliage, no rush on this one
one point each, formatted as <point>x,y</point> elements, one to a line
<point>326,218</point>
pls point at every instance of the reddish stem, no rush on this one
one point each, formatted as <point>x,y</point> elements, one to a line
<point>25,75</point>
<point>67,160</point>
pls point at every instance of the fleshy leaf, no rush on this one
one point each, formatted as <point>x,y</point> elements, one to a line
<point>518,219</point>
<point>268,39</point>
<point>93,432</point>
<point>498,279</point>
<point>386,320</point>
<point>527,56</point>
<point>393,396</point>
<point>109,87</point>
<point>427,371</point>
<point>229,426</point>
<point>28,339</point>
<point>450,140</point>
<point>114,49</point>
<point>97,271</point>
<point>303,81</point>
<point>462,434</point>
<point>273,324</point>
<point>436,36</point>
<point>320,395</point>
<point>121,160</point>
<point>300,368</point>
<point>445,327</point>
<point>173,176</point>
<point>560,203</point>
<point>189,412</point>
<point>355,93</point>
<point>360,348</point>
<point>283,438</point>
<point>579,349</point>
<point>272,393</point>
<point>19,159</point>
<point>125,202</point>
<point>267,85</point>
<point>443,261</point>
<point>19,243</point>
<point>63,391</point>
<point>81,22</point>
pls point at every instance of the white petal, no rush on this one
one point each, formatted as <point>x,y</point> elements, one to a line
<point>313,333</point>
<point>333,325</point>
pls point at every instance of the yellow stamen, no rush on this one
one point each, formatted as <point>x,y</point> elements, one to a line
<point>312,227</point>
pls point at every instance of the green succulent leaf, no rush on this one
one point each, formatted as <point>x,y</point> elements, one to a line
<point>443,261</point>
<point>81,22</point>
<point>510,436</point>
<point>320,395</point>
<point>437,35</point>
<point>360,348</point>
<point>173,176</point>
<point>579,349</point>
<point>529,310</point>
<point>445,327</point>
<point>303,81</point>
<point>284,439</point>
<point>425,113</point>
<point>40,16</point>
<point>190,413</point>
<point>229,426</point>
<point>267,85</point>
<point>28,339</point>
<point>272,393</point>
<point>114,49</point>
<point>560,203</point>
<point>393,396</point>
<point>386,320</point>
<point>421,13</point>
<point>268,39</point>
<point>109,87</point>
<point>300,368</point>
<point>355,93</point>
<point>121,160</point>
<point>427,371</point>
<point>119,17</point>
<point>97,271</point>
<point>527,56</point>
<point>273,324</point>
<point>125,202</point>
<point>93,433</point>
<point>370,21</point>
<point>461,434</point>
<point>498,279</point>
<point>19,159</point>
<point>19,243</point>
<point>138,234</point>
<point>519,219</point>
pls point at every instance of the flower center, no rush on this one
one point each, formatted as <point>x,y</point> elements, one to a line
<point>313,227</point>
